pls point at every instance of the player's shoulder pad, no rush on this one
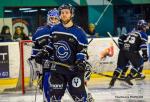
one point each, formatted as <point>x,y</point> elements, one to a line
<point>81,35</point>
<point>41,31</point>
<point>79,29</point>
<point>40,28</point>
<point>55,27</point>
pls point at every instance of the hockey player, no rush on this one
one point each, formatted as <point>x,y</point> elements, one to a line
<point>129,51</point>
<point>41,36</point>
<point>41,39</point>
<point>68,45</point>
<point>140,75</point>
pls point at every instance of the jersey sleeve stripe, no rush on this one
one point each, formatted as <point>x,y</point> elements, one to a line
<point>36,49</point>
<point>46,35</point>
<point>81,56</point>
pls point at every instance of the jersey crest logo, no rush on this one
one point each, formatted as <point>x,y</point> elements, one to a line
<point>63,51</point>
<point>76,82</point>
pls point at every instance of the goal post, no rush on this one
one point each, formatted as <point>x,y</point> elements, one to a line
<point>22,61</point>
<point>19,69</point>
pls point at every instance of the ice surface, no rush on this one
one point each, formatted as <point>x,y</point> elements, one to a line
<point>120,93</point>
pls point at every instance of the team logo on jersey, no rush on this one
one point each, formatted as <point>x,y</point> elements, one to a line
<point>76,82</point>
<point>63,51</point>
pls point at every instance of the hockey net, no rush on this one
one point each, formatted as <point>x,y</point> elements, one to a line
<point>24,81</point>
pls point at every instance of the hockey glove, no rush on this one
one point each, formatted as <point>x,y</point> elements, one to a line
<point>40,56</point>
<point>81,66</point>
<point>145,58</point>
<point>31,58</point>
<point>144,54</point>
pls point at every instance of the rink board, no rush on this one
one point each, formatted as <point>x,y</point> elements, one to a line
<point>95,48</point>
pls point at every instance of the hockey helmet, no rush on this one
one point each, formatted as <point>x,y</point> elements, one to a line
<point>67,6</point>
<point>142,24</point>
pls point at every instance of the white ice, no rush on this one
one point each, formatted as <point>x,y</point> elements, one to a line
<point>138,93</point>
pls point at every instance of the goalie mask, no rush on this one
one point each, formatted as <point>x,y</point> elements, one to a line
<point>53,17</point>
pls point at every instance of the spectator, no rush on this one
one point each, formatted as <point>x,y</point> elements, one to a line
<point>19,34</point>
<point>91,30</point>
<point>5,34</point>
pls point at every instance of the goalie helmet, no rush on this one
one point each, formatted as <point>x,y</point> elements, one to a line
<point>54,13</point>
<point>67,6</point>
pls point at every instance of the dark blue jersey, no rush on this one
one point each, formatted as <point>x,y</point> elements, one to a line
<point>40,39</point>
<point>121,40</point>
<point>133,41</point>
<point>68,44</point>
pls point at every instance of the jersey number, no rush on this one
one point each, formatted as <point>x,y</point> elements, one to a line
<point>130,39</point>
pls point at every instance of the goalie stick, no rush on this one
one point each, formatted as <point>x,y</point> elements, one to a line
<point>36,89</point>
<point>31,72</point>
<point>32,77</point>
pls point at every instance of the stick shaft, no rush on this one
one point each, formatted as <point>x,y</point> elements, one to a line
<point>113,39</point>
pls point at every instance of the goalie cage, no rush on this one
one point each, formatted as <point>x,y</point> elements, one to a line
<point>24,82</point>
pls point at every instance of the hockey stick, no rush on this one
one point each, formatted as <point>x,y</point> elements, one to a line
<point>32,75</point>
<point>70,68</point>
<point>90,40</point>
<point>113,39</point>
<point>109,76</point>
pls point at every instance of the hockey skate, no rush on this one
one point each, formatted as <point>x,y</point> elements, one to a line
<point>128,80</point>
<point>140,77</point>
<point>112,82</point>
<point>122,76</point>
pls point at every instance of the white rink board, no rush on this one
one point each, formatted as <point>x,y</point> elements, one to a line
<point>94,49</point>
<point>14,58</point>
<point>109,63</point>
